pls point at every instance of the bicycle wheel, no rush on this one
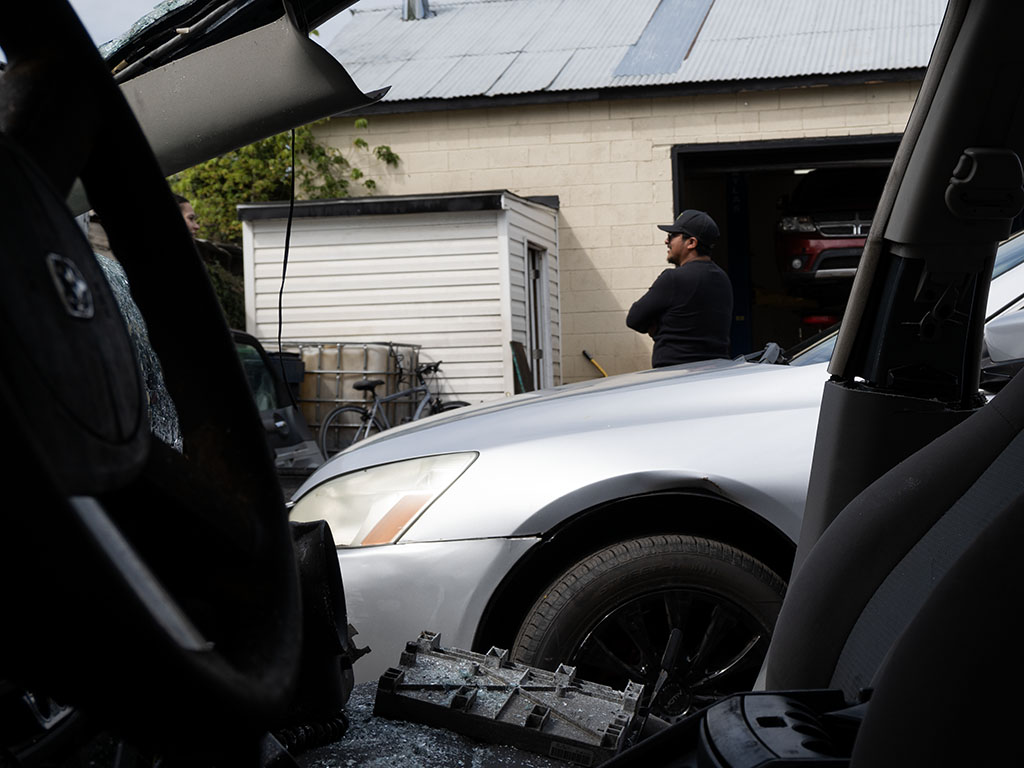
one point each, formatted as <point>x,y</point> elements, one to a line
<point>343,426</point>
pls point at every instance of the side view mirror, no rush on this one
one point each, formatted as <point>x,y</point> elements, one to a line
<point>274,423</point>
<point>1004,351</point>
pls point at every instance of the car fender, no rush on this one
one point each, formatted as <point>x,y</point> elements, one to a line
<point>639,484</point>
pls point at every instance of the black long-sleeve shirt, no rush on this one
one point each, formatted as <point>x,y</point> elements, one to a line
<point>688,311</point>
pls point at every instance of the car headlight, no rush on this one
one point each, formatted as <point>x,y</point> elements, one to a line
<point>797,224</point>
<point>377,505</point>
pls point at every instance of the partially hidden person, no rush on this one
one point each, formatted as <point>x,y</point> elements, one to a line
<point>188,213</point>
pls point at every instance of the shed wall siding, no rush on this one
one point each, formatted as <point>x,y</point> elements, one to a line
<point>609,163</point>
<point>426,279</point>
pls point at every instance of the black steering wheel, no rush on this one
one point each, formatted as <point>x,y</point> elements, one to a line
<point>154,590</point>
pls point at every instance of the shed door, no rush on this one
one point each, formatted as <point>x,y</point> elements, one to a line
<point>536,311</point>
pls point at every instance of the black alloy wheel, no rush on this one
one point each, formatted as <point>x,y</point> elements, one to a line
<point>611,616</point>
<point>721,652</point>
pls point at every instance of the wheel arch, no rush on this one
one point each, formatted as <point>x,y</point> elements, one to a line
<point>706,514</point>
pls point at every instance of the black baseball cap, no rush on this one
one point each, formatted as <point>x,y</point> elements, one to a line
<point>695,224</point>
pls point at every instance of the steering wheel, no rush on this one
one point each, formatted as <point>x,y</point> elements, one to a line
<point>156,591</point>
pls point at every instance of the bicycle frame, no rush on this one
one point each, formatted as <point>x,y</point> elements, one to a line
<point>379,413</point>
<point>372,416</point>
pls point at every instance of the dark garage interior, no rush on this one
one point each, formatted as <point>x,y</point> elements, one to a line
<point>748,188</point>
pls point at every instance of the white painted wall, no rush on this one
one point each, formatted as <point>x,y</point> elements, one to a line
<point>437,280</point>
<point>609,163</point>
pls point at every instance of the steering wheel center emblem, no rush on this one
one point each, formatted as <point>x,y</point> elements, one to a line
<point>71,286</point>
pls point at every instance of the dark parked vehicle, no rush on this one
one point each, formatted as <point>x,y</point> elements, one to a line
<point>824,225</point>
<point>288,435</point>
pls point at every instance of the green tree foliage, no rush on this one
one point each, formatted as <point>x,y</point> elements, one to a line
<point>230,292</point>
<point>262,171</point>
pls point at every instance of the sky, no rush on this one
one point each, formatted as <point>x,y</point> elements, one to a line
<point>104,20</point>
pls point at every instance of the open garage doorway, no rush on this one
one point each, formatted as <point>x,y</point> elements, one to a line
<point>779,203</point>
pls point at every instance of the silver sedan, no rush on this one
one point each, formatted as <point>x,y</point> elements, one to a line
<point>585,523</point>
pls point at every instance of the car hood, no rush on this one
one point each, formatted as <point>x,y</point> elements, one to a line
<point>696,391</point>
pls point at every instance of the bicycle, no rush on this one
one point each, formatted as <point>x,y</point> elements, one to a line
<point>348,424</point>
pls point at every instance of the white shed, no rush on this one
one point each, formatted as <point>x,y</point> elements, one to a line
<point>459,275</point>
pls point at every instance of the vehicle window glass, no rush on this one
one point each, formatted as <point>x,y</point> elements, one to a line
<point>260,381</point>
<point>1011,253</point>
<point>819,353</point>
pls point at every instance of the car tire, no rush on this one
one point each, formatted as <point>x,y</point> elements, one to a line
<point>611,615</point>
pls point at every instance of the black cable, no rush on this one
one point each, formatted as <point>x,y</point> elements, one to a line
<point>300,738</point>
<point>284,274</point>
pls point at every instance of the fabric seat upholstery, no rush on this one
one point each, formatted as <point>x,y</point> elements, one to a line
<point>945,696</point>
<point>875,566</point>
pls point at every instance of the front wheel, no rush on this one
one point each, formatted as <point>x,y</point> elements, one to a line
<point>611,614</point>
<point>344,426</point>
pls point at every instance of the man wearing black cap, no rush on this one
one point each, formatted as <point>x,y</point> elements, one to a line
<point>688,309</point>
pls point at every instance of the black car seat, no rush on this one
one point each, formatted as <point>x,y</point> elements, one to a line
<point>947,692</point>
<point>909,602</point>
<point>872,569</point>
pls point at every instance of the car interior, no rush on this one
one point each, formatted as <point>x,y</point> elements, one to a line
<point>132,573</point>
<point>164,596</point>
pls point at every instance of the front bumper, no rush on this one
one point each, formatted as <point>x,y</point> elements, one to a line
<point>821,258</point>
<point>394,592</point>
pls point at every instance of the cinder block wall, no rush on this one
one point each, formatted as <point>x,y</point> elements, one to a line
<point>609,163</point>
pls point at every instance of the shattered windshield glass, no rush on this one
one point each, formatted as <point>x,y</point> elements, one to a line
<point>111,47</point>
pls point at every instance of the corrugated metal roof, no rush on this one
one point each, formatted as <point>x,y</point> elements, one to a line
<point>494,47</point>
<point>471,75</point>
<point>667,38</point>
<point>589,68</point>
<point>531,71</point>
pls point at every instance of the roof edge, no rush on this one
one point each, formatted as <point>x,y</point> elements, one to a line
<point>638,92</point>
<point>389,205</point>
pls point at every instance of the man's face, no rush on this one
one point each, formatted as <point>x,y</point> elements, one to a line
<point>678,247</point>
<point>191,221</point>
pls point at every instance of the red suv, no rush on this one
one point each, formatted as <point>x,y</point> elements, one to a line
<point>825,223</point>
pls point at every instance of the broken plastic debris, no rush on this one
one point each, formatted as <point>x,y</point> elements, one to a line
<point>493,699</point>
